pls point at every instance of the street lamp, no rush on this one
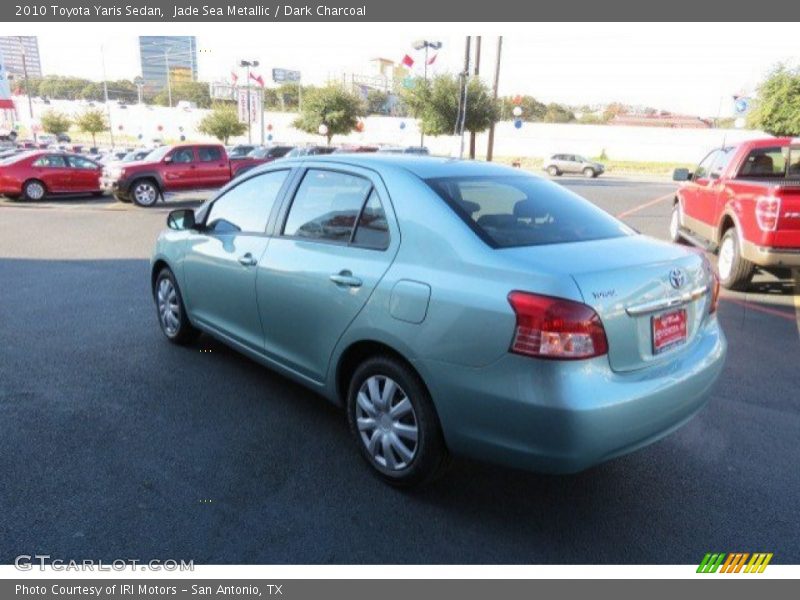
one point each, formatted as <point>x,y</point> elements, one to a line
<point>420,45</point>
<point>27,85</point>
<point>248,64</point>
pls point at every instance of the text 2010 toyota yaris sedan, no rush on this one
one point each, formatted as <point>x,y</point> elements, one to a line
<point>450,306</point>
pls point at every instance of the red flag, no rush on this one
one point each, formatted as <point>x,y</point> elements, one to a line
<point>407,61</point>
<point>432,59</point>
<point>257,78</point>
<point>234,77</point>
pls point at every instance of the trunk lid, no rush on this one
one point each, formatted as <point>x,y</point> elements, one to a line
<point>629,281</point>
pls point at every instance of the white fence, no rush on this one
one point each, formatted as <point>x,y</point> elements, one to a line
<point>532,140</point>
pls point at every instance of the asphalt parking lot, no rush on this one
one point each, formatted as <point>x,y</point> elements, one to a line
<point>116,444</point>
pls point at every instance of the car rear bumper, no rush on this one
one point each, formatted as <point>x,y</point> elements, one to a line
<point>764,256</point>
<point>565,416</point>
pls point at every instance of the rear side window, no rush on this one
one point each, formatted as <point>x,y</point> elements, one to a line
<point>183,155</point>
<point>327,205</point>
<point>51,160</point>
<point>209,154</point>
<point>246,207</point>
<point>372,230</point>
<point>518,210</point>
<point>793,170</point>
<point>765,163</point>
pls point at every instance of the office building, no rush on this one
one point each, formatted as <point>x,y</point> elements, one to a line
<point>162,55</point>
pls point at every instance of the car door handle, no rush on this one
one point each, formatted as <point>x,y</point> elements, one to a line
<point>248,260</point>
<point>345,278</point>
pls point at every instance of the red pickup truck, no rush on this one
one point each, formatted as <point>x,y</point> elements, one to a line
<point>180,168</point>
<point>743,201</point>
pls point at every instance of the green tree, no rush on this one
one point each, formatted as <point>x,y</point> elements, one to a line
<point>55,122</point>
<point>377,102</point>
<point>435,104</point>
<point>777,109</point>
<point>222,123</point>
<point>92,121</point>
<point>332,106</point>
<point>189,91</point>
<point>557,113</point>
<point>532,109</point>
<point>285,97</point>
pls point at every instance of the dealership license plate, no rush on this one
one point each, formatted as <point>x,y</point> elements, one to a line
<point>669,330</point>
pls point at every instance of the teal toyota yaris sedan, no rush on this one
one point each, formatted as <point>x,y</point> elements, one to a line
<point>450,306</point>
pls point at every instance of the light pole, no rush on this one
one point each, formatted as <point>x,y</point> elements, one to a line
<point>419,45</point>
<point>27,87</point>
<point>248,64</point>
<point>105,93</point>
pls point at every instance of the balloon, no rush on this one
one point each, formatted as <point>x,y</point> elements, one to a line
<point>183,138</point>
<point>323,129</point>
<point>180,128</point>
<point>160,128</point>
<point>269,137</point>
<point>120,128</point>
<point>517,99</point>
<point>360,126</point>
<point>269,127</point>
<point>517,112</point>
<point>518,123</point>
<point>140,136</point>
<point>402,124</point>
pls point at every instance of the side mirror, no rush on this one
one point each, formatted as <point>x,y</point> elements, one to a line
<point>681,175</point>
<point>181,219</point>
<point>167,159</point>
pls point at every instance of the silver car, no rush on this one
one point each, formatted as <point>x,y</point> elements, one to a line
<point>558,164</point>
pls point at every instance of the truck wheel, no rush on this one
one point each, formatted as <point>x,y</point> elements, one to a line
<point>553,171</point>
<point>145,192</point>
<point>34,190</point>
<point>735,271</point>
<point>589,172</point>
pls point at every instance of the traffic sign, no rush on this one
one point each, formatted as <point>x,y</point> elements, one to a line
<point>282,75</point>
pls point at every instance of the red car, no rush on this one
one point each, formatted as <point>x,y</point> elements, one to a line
<point>743,201</point>
<point>35,175</point>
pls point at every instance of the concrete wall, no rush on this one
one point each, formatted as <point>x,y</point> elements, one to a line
<point>532,140</point>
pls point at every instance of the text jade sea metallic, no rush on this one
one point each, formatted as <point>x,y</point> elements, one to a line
<point>450,306</point>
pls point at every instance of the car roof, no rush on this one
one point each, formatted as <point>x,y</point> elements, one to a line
<point>424,167</point>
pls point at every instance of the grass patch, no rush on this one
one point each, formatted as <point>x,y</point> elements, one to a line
<point>613,167</point>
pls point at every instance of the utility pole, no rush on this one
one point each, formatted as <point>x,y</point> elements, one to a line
<point>490,147</point>
<point>169,83</point>
<point>105,93</point>
<point>463,103</point>
<point>476,72</point>
<point>27,86</point>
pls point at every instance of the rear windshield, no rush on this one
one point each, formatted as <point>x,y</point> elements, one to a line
<point>775,162</point>
<point>519,210</point>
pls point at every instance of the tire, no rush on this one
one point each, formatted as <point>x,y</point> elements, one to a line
<point>675,224</point>
<point>735,271</point>
<point>589,173</point>
<point>172,318</point>
<point>34,190</point>
<point>145,192</point>
<point>553,171</point>
<point>384,432</point>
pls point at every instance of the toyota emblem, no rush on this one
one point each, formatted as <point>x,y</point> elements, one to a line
<point>677,278</point>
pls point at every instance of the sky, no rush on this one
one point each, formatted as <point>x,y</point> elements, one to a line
<point>692,68</point>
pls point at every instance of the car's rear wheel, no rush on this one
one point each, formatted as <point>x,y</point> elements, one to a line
<point>589,172</point>
<point>735,271</point>
<point>394,422</point>
<point>145,192</point>
<point>171,311</point>
<point>34,190</point>
<point>553,171</point>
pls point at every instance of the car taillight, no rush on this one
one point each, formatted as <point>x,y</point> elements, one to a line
<point>767,210</point>
<point>556,328</point>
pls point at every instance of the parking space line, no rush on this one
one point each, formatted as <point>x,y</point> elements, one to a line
<point>763,309</point>
<point>647,204</point>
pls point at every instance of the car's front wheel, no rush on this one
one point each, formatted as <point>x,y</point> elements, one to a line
<point>589,172</point>
<point>735,271</point>
<point>553,171</point>
<point>394,422</point>
<point>145,192</point>
<point>171,311</point>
